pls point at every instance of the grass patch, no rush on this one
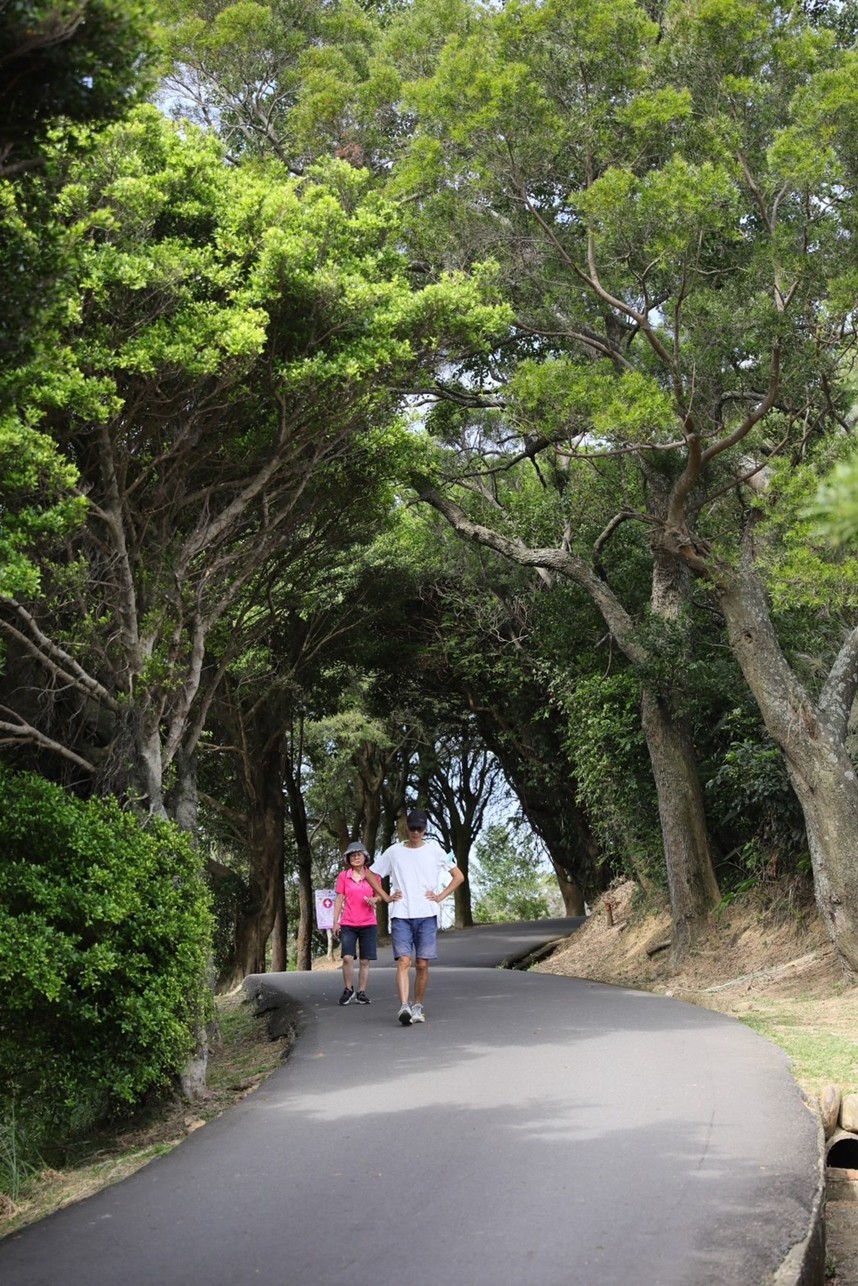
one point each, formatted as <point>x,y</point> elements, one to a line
<point>818,1058</point>
<point>243,1051</point>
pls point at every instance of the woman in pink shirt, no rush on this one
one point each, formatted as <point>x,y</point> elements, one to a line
<point>354,921</point>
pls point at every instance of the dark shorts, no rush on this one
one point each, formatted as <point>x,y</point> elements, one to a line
<point>366,935</point>
<point>416,938</point>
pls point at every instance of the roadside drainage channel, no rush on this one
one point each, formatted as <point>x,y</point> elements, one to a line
<point>531,957</point>
<point>841,1169</point>
<point>841,1154</point>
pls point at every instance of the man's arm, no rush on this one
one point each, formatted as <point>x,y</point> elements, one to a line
<point>457,878</point>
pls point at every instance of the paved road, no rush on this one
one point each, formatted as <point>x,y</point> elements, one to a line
<point>537,1130</point>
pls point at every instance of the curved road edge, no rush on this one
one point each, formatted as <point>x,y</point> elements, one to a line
<point>805,1262</point>
<point>804,1265</point>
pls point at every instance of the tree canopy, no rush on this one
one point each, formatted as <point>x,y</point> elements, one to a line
<point>431,394</point>
<point>223,387</point>
<point>671,202</point>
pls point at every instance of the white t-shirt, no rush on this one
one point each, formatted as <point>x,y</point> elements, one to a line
<point>415,872</point>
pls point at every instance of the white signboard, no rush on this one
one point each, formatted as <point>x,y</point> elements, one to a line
<point>325,899</point>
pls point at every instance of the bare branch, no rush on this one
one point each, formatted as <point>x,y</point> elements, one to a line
<point>24,734</point>
<point>55,658</point>
<point>557,560</point>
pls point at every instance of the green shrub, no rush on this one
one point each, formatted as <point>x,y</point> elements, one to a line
<point>753,810</point>
<point>104,938</point>
<point>609,756</point>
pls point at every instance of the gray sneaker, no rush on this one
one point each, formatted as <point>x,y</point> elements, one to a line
<point>404,1014</point>
<point>417,1015</point>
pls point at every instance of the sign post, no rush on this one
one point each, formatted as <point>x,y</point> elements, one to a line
<point>325,899</point>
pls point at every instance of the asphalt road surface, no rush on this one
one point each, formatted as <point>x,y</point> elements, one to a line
<point>536,1131</point>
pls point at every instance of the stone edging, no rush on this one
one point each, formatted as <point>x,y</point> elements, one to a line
<point>804,1264</point>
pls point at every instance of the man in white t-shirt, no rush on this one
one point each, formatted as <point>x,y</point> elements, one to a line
<point>415,868</point>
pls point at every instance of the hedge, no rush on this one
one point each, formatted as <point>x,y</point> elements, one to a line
<point>105,933</point>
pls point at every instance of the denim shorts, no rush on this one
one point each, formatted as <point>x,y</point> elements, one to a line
<point>365,934</point>
<point>416,938</point>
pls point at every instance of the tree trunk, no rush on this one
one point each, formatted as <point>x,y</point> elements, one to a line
<point>254,928</point>
<point>304,948</point>
<point>824,782</point>
<point>690,874</point>
<point>382,914</point>
<point>463,916</point>
<point>148,772</point>
<point>812,739</point>
<point>301,832</point>
<point>279,938</point>
<point>183,800</point>
<point>572,893</point>
<point>688,857</point>
<point>182,807</point>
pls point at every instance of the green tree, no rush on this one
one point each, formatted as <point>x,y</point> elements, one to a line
<point>38,505</point>
<point>509,881</point>
<point>224,390</point>
<point>672,203</point>
<point>286,79</point>
<point>65,68</point>
<point>68,62</point>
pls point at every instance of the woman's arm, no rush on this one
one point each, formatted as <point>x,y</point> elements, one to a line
<point>375,885</point>
<point>338,910</point>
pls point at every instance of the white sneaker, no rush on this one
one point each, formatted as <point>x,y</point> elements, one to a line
<point>404,1014</point>
<point>417,1015</point>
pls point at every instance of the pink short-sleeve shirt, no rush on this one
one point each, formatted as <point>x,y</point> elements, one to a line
<point>356,911</point>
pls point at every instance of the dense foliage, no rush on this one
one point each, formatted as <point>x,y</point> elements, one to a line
<point>69,61</point>
<point>104,940</point>
<point>571,279</point>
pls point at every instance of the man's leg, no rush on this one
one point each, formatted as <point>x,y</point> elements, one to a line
<point>420,981</point>
<point>426,936</point>
<point>403,978</point>
<point>402,937</point>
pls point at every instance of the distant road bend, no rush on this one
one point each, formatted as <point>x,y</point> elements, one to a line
<point>536,1131</point>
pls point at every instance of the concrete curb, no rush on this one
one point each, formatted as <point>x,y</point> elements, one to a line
<point>804,1264</point>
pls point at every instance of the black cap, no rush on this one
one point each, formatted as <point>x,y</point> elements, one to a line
<point>417,820</point>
